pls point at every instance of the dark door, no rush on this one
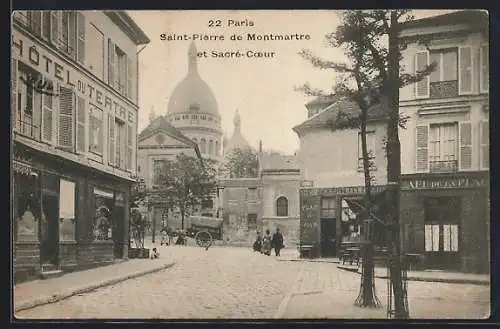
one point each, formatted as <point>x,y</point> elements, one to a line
<point>118,231</point>
<point>328,236</point>
<point>49,244</point>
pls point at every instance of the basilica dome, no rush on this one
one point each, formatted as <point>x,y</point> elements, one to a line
<point>192,93</point>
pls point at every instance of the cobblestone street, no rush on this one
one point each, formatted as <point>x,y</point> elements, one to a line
<point>226,282</point>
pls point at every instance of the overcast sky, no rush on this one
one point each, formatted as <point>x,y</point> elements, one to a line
<point>261,89</point>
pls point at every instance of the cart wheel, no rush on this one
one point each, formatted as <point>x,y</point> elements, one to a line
<point>203,239</point>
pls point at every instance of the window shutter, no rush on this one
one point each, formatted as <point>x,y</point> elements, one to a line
<point>55,27</point>
<point>465,70</point>
<point>80,125</point>
<point>111,63</point>
<point>112,138</point>
<point>484,131</point>
<point>465,150</point>
<point>130,138</point>
<point>129,78</point>
<point>423,86</point>
<point>123,145</point>
<point>47,117</point>
<point>66,118</point>
<point>484,69</point>
<point>35,21</point>
<point>422,164</point>
<point>13,82</point>
<point>46,25</point>
<point>81,38</point>
<point>72,34</point>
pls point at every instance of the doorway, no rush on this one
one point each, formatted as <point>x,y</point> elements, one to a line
<point>49,242</point>
<point>118,231</point>
<point>328,237</point>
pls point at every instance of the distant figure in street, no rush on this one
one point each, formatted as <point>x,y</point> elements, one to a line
<point>266,243</point>
<point>257,245</point>
<point>164,237</point>
<point>155,254</point>
<point>277,242</point>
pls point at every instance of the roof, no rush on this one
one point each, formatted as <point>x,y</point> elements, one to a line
<point>323,100</point>
<point>376,112</point>
<point>467,17</point>
<point>160,124</point>
<point>276,162</point>
<point>129,26</point>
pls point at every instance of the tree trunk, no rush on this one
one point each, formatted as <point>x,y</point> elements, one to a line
<point>182,217</point>
<point>394,170</point>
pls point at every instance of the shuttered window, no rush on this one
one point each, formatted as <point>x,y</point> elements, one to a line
<point>35,21</point>
<point>111,139</point>
<point>81,38</point>
<point>66,117</point>
<point>465,70</point>
<point>484,69</point>
<point>130,85</point>
<point>422,141</point>
<point>465,138</point>
<point>422,87</point>
<point>96,129</point>
<point>130,141</point>
<point>47,117</point>
<point>111,63</point>
<point>120,144</point>
<point>46,25</point>
<point>81,119</point>
<point>54,21</point>
<point>484,131</point>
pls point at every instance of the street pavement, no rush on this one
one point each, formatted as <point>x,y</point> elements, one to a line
<point>226,282</point>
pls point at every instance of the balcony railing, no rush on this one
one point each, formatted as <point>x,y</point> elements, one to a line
<point>444,89</point>
<point>28,129</point>
<point>448,166</point>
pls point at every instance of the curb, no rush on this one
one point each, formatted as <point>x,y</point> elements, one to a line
<point>42,300</point>
<point>414,278</point>
<point>309,261</point>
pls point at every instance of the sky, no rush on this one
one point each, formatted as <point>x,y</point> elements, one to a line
<point>262,89</point>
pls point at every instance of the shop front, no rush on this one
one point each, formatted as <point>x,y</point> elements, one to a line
<point>330,218</point>
<point>446,219</point>
<point>65,216</point>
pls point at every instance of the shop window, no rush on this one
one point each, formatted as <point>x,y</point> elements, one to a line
<point>328,208</point>
<point>102,223</point>
<point>441,224</point>
<point>350,229</point>
<point>282,207</point>
<point>67,210</point>
<point>252,221</point>
<point>96,130</point>
<point>27,205</point>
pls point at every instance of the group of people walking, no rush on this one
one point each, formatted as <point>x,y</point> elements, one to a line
<point>266,243</point>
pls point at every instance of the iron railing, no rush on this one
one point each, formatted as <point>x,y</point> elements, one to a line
<point>444,89</point>
<point>448,166</point>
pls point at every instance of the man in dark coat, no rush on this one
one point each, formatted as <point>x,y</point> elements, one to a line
<point>277,242</point>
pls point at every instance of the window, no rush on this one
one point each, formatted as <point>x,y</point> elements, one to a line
<point>67,210</point>
<point>81,119</point>
<point>252,194</point>
<point>66,137</point>
<point>328,208</point>
<point>95,58</point>
<point>203,146</point>
<point>442,216</point>
<point>443,147</point>
<point>282,207</point>
<point>217,149</point>
<point>120,70</point>
<point>444,79</point>
<point>158,166</point>
<point>103,220</point>
<point>29,102</point>
<point>370,145</point>
<point>252,221</point>
<point>484,69</point>
<point>96,130</point>
<point>120,144</point>
<point>211,147</point>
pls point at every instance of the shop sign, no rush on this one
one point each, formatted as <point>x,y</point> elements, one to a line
<point>444,183</point>
<point>51,67</point>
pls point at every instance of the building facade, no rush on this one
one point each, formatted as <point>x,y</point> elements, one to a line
<point>331,167</point>
<point>445,188</point>
<point>74,126</point>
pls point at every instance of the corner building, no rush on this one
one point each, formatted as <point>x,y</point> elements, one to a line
<point>74,125</point>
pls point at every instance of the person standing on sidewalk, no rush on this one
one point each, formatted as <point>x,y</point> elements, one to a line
<point>277,241</point>
<point>266,243</point>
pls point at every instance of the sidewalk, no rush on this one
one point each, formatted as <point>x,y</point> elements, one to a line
<point>428,276</point>
<point>34,293</point>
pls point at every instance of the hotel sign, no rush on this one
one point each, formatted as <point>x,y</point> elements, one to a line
<point>444,183</point>
<point>52,67</point>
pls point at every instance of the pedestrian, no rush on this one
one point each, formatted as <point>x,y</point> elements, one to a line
<point>155,254</point>
<point>277,242</point>
<point>164,237</point>
<point>257,245</point>
<point>266,243</point>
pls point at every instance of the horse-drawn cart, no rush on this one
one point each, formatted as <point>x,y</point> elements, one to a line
<point>204,230</point>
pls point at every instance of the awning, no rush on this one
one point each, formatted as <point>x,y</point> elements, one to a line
<point>212,222</point>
